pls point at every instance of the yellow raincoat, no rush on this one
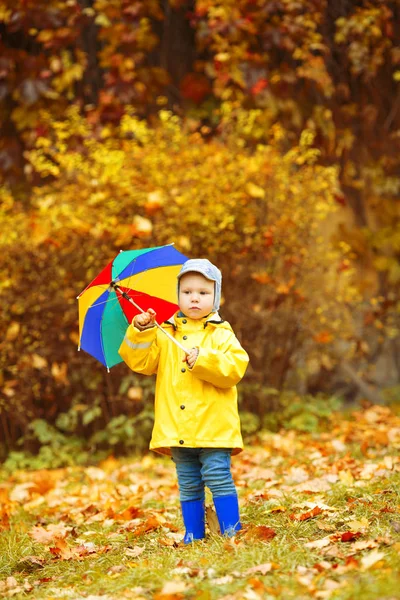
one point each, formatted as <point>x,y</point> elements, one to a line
<point>194,408</point>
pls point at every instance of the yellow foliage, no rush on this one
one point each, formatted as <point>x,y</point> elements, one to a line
<point>260,208</point>
<point>5,13</point>
<point>256,213</point>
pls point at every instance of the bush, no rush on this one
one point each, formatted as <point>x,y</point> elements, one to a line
<point>256,213</point>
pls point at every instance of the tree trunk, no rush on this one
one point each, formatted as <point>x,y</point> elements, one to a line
<point>92,81</point>
<point>177,49</point>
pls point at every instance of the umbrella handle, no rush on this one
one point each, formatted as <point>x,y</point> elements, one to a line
<point>125,295</point>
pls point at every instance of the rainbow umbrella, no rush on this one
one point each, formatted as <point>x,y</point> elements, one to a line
<point>133,282</point>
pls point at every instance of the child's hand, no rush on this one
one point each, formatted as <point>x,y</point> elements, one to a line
<point>191,357</point>
<point>145,320</point>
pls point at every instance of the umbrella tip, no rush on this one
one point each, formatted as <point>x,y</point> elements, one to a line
<point>108,370</point>
<point>79,348</point>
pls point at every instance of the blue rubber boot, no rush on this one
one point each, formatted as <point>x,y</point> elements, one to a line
<point>193,519</point>
<point>227,509</point>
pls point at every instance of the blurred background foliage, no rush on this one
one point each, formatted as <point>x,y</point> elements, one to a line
<point>261,134</point>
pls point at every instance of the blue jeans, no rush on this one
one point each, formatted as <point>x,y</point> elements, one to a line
<point>200,467</point>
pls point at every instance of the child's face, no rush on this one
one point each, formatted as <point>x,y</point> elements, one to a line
<point>196,295</point>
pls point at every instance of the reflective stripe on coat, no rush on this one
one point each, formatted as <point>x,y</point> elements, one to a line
<point>194,408</point>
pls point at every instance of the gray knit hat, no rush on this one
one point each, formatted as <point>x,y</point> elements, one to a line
<point>209,271</point>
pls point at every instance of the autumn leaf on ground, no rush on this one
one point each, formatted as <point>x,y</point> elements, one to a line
<point>137,502</point>
<point>260,532</point>
<point>130,513</point>
<point>31,563</point>
<point>307,515</point>
<point>152,523</point>
<point>348,536</point>
<point>278,509</point>
<point>10,587</point>
<point>212,520</point>
<point>363,545</point>
<point>172,590</point>
<point>170,542</point>
<point>4,518</point>
<point>50,533</point>
<point>360,525</point>
<point>326,526</point>
<point>263,569</point>
<point>135,551</point>
<point>321,543</point>
<point>369,560</point>
<point>62,550</point>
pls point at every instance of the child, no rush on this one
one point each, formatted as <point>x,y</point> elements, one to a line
<point>196,413</point>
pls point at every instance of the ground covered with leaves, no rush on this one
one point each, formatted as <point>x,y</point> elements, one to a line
<point>320,519</point>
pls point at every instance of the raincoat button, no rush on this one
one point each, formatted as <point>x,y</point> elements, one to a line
<point>185,337</point>
<point>184,321</point>
<point>183,370</point>
<point>182,406</point>
<point>181,442</point>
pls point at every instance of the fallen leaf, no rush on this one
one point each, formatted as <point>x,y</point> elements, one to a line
<point>260,532</point>
<point>363,545</point>
<point>169,542</point>
<point>277,509</point>
<point>30,563</point>
<point>307,515</point>
<point>130,513</point>
<point>349,536</point>
<point>346,478</point>
<point>62,550</point>
<point>351,562</point>
<point>116,570</point>
<point>359,525</point>
<point>321,543</point>
<point>4,518</point>
<point>11,582</point>
<point>222,580</point>
<point>371,559</point>
<point>263,569</point>
<point>212,520</point>
<point>135,551</point>
<point>326,526</point>
<point>322,566</point>
<point>50,533</point>
<point>151,524</point>
<point>22,492</point>
<point>172,590</point>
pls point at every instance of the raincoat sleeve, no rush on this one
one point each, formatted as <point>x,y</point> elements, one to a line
<point>223,367</point>
<point>140,350</point>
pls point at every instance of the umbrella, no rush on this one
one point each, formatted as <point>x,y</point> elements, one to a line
<point>133,282</point>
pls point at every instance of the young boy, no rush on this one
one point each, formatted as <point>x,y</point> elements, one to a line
<point>196,413</point>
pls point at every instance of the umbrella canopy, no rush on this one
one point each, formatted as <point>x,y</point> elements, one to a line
<point>133,282</point>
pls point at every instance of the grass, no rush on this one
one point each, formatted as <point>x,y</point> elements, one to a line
<point>99,549</point>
